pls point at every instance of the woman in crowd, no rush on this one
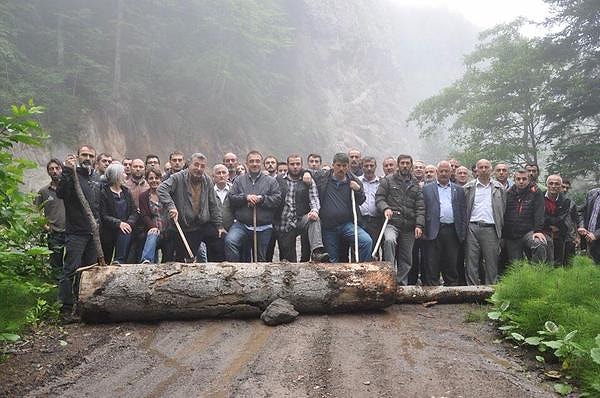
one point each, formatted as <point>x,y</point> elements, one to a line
<point>152,216</point>
<point>118,214</point>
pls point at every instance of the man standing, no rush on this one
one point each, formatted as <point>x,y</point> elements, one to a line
<point>445,228</point>
<point>589,226</point>
<point>501,175</point>
<point>190,198</point>
<point>355,162</point>
<point>400,199</point>
<point>371,220</point>
<point>270,165</point>
<point>222,187</point>
<point>336,188</point>
<point>314,161</point>
<point>152,161</point>
<point>102,162</point>
<point>558,224</point>
<point>524,220</point>
<point>79,246</point>
<point>486,203</point>
<point>231,162</point>
<point>54,211</point>
<point>298,214</point>
<point>282,169</point>
<point>419,172</point>
<point>137,185</point>
<point>127,165</point>
<point>252,193</point>
<point>389,166</point>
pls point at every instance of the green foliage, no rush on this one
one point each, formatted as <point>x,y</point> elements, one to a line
<point>555,311</point>
<point>498,108</point>
<point>25,294</point>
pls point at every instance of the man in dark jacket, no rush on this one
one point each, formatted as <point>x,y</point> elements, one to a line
<point>252,193</point>
<point>589,225</point>
<point>336,188</point>
<point>524,220</point>
<point>558,224</point>
<point>298,213</point>
<point>79,244</point>
<point>190,198</point>
<point>445,228</point>
<point>400,199</point>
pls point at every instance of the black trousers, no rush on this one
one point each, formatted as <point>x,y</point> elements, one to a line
<point>207,233</point>
<point>442,257</point>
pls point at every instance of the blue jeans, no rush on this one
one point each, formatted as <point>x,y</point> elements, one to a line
<point>345,232</point>
<point>239,237</point>
<point>150,248</point>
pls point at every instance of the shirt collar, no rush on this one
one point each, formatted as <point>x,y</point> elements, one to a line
<point>481,184</point>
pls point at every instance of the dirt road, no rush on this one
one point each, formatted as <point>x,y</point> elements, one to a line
<point>406,351</point>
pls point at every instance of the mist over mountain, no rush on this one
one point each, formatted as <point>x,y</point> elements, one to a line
<point>281,76</point>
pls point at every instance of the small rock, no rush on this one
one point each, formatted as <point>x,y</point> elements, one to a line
<point>278,312</point>
<point>366,383</point>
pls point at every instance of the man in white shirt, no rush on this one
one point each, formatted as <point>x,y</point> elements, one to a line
<point>486,203</point>
<point>372,220</point>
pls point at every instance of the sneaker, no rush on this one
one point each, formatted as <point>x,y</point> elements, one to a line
<point>320,256</point>
<point>146,262</point>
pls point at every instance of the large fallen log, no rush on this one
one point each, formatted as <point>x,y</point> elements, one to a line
<point>443,294</point>
<point>185,291</point>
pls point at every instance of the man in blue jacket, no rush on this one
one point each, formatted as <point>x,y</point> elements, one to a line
<point>252,191</point>
<point>445,228</point>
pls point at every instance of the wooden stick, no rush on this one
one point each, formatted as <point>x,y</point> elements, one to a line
<point>254,236</point>
<point>185,242</point>
<point>355,225</point>
<point>385,223</point>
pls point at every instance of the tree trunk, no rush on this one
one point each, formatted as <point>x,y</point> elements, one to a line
<point>443,294</point>
<point>187,291</point>
<point>117,62</point>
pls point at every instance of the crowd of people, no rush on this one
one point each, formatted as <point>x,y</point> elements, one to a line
<point>437,224</point>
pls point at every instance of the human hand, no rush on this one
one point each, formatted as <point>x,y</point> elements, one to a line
<point>313,215</point>
<point>125,228</point>
<point>418,233</point>
<point>154,231</point>
<point>221,231</point>
<point>354,186</point>
<point>539,236</point>
<point>388,213</point>
<point>173,213</point>
<point>307,178</point>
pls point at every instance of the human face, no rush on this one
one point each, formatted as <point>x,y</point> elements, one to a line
<point>484,169</point>
<point>196,168</point>
<point>355,157</point>
<point>153,180</point>
<point>177,163</point>
<point>405,166</point>
<point>270,164</point>
<point>240,169</point>
<point>137,169</point>
<point>220,175</point>
<point>443,172</point>
<point>501,172</point>
<point>533,172</point>
<point>430,172</point>
<point>462,175</point>
<point>389,166</point>
<point>127,165</point>
<point>521,180</point>
<point>369,168</point>
<point>566,187</point>
<point>54,171</point>
<point>230,161</point>
<point>454,164</point>
<point>419,170</point>
<point>340,170</point>
<point>86,157</point>
<point>314,162</point>
<point>103,163</point>
<point>282,169</point>
<point>294,166</point>
<point>153,162</point>
<point>253,163</point>
<point>554,184</point>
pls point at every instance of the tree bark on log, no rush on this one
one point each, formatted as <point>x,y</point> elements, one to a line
<point>200,290</point>
<point>443,294</point>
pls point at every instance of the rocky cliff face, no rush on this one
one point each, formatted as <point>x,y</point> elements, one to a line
<point>357,68</point>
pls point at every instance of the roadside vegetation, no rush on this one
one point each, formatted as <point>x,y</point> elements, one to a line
<point>556,313</point>
<point>27,285</point>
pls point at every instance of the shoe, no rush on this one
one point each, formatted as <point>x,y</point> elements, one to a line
<point>68,316</point>
<point>146,262</point>
<point>320,256</point>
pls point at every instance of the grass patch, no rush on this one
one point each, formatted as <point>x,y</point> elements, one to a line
<point>557,312</point>
<point>24,303</point>
<point>477,315</point>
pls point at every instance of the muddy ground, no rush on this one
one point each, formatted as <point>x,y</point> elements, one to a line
<point>405,351</point>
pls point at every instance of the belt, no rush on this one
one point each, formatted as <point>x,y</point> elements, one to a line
<point>483,224</point>
<point>446,225</point>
